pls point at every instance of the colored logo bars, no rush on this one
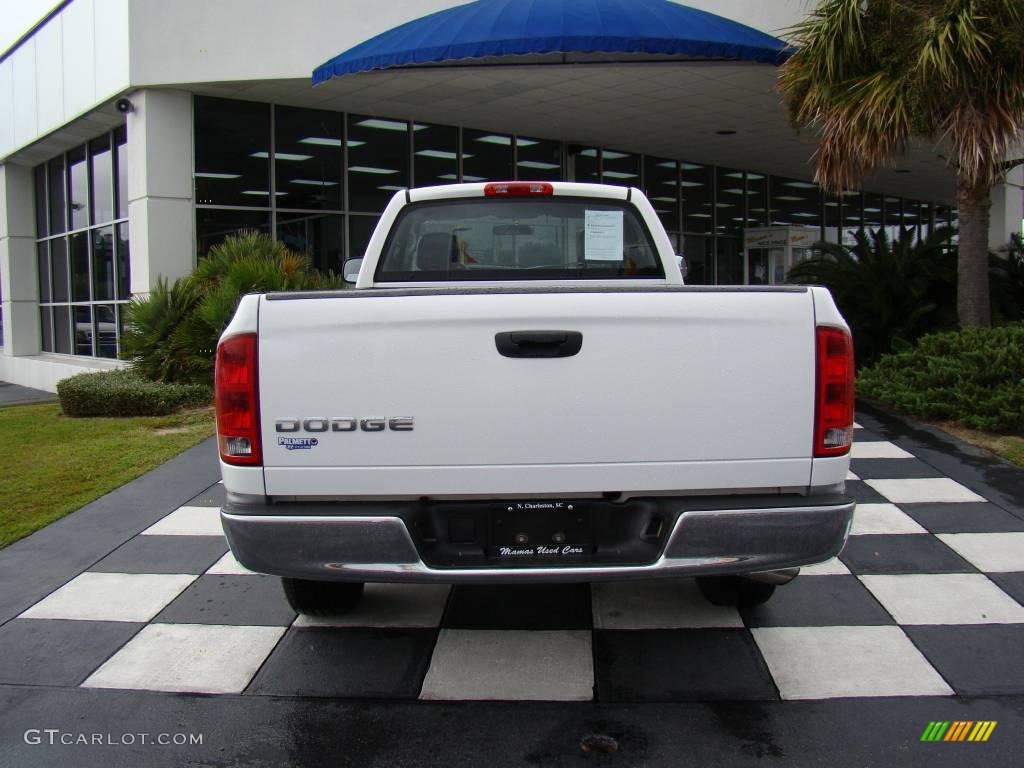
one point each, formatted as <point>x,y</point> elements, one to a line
<point>959,730</point>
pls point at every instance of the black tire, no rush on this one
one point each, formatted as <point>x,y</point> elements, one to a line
<point>734,590</point>
<point>322,598</point>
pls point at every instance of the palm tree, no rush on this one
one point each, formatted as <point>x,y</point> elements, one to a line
<point>871,75</point>
<point>891,292</point>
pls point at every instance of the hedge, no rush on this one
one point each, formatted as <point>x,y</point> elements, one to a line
<point>974,376</point>
<point>123,393</point>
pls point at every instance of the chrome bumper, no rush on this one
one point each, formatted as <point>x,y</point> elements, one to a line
<point>380,549</point>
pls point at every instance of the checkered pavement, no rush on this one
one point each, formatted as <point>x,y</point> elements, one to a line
<point>927,599</point>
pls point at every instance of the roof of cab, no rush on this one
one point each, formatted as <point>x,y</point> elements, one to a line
<point>561,189</point>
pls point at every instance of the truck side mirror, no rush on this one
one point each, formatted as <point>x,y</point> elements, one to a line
<point>351,270</point>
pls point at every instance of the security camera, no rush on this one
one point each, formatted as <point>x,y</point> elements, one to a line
<point>124,106</point>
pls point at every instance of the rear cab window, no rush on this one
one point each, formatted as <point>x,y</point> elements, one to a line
<point>551,238</point>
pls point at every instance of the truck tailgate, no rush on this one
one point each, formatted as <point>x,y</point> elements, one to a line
<point>679,390</point>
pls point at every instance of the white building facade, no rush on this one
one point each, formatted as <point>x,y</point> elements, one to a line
<point>223,130</point>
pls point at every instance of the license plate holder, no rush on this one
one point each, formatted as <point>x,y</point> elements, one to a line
<point>541,530</point>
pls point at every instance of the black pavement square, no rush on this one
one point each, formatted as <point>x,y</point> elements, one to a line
<point>349,663</point>
<point>892,469</point>
<point>58,651</point>
<point>1011,583</point>
<point>679,665</point>
<point>819,601</point>
<point>214,496</point>
<point>519,606</point>
<point>164,554</point>
<point>975,660</point>
<point>867,436</point>
<point>967,517</point>
<point>905,553</point>
<point>863,493</point>
<point>240,600</point>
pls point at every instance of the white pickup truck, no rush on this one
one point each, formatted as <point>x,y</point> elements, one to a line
<point>522,389</point>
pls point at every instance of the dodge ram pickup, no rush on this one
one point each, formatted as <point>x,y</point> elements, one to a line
<point>520,388</point>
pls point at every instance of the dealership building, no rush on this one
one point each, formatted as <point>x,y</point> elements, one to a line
<point>137,134</point>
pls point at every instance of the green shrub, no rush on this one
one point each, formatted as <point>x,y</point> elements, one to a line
<point>172,333</point>
<point>125,393</point>
<point>974,376</point>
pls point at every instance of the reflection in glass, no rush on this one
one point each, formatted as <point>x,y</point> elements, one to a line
<point>106,331</point>
<point>731,203</point>
<point>46,328</point>
<point>587,164</point>
<point>795,202</point>
<point>620,169</point>
<point>40,191</point>
<point>233,152</point>
<point>121,141</point>
<point>103,264</point>
<point>314,183</point>
<point>59,265</point>
<point>360,229</point>
<point>894,222</point>
<point>488,156</point>
<point>58,222</point>
<point>853,215</point>
<point>698,251</point>
<point>873,205</point>
<point>317,235</point>
<point>378,161</point>
<point>833,221</point>
<point>83,330</point>
<point>102,180</point>
<point>78,187</point>
<point>80,267</point>
<point>213,226</point>
<point>124,279</point>
<point>435,157</point>
<point>538,160</point>
<point>43,270</point>
<point>730,261</point>
<point>757,198</point>
<point>661,185</point>
<point>62,330</point>
<point>697,194</point>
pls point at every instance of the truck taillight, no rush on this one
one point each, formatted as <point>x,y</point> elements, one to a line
<point>519,189</point>
<point>238,404</point>
<point>833,411</point>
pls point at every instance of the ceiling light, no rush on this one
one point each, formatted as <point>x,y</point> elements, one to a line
<point>609,155</point>
<point>370,169</point>
<point>313,182</point>
<point>691,167</point>
<point>619,175</point>
<point>663,199</point>
<point>738,191</point>
<point>538,165</point>
<point>802,215</point>
<point>872,210</point>
<point>686,183</point>
<point>439,154</point>
<point>281,156</point>
<point>506,141</point>
<point>204,175</point>
<point>262,193</point>
<point>801,184</point>
<point>453,177</point>
<point>321,141</point>
<point>699,215</point>
<point>391,188</point>
<point>389,125</point>
<point>788,198</point>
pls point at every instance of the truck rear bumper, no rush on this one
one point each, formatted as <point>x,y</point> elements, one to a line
<point>379,547</point>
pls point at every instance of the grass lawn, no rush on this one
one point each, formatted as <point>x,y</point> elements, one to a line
<point>1010,447</point>
<point>52,464</point>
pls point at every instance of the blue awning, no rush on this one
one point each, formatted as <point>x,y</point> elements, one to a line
<point>489,29</point>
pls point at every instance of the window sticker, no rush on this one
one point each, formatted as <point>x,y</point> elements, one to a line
<point>604,239</point>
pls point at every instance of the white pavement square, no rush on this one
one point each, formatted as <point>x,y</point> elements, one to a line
<point>111,597</point>
<point>851,476</point>
<point>834,662</point>
<point>511,665</point>
<point>657,604</point>
<point>924,490</point>
<point>390,605</point>
<point>198,658</point>
<point>944,598</point>
<point>228,566</point>
<point>882,519</point>
<point>879,450</point>
<point>990,552</point>
<point>188,521</point>
<point>833,567</point>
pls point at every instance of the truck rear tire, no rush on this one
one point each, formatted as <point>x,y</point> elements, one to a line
<point>734,590</point>
<point>322,598</point>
